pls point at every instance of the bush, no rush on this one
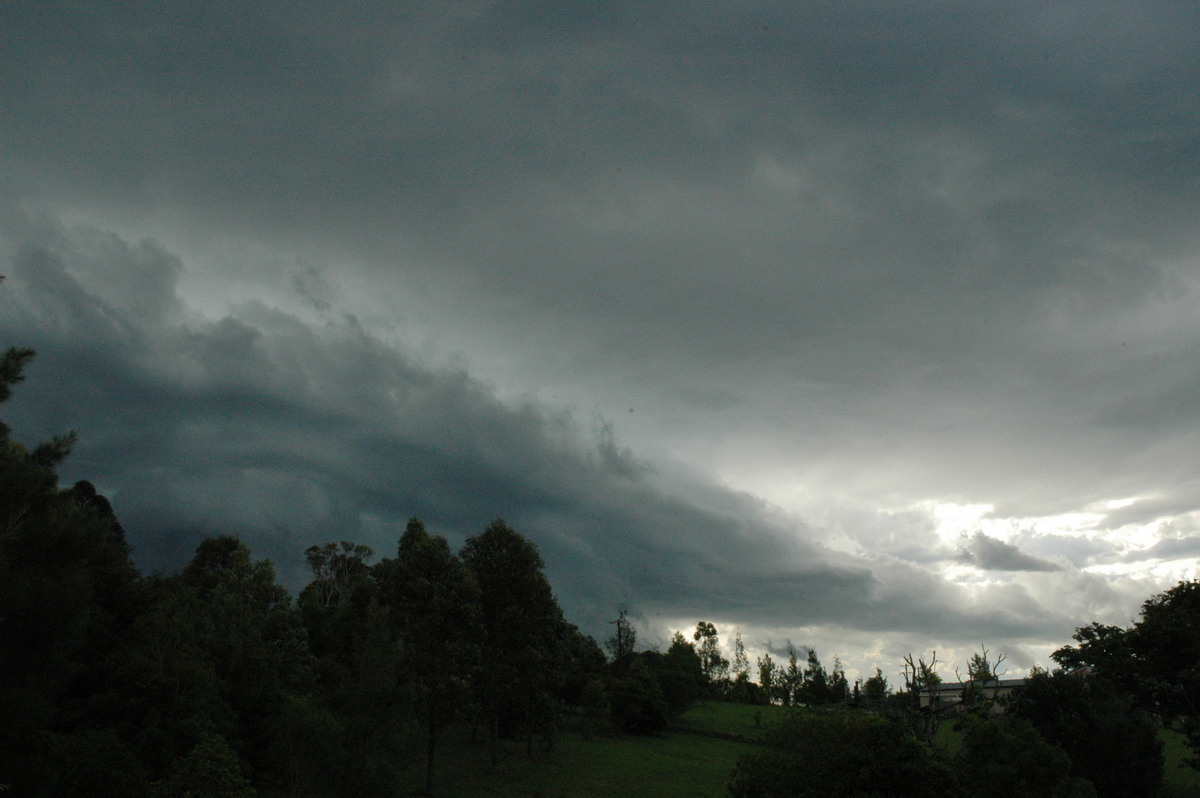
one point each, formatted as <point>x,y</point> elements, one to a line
<point>637,702</point>
<point>1007,758</point>
<point>843,754</point>
<point>1110,743</point>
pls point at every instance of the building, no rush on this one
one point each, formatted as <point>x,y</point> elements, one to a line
<point>951,697</point>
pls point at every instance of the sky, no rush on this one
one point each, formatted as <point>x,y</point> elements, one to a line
<point>870,327</point>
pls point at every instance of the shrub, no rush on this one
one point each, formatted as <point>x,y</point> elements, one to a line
<point>844,754</point>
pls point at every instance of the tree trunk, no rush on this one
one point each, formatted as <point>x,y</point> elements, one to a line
<point>430,744</point>
<point>494,737</point>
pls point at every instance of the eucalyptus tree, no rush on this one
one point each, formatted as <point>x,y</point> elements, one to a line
<point>523,635</point>
<point>437,612</point>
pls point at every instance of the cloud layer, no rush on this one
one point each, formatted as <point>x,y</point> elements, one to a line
<point>727,307</point>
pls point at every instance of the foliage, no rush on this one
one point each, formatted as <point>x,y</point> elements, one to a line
<point>792,679</point>
<point>741,664</point>
<point>713,664</point>
<point>437,612</point>
<point>1110,743</point>
<point>210,770</point>
<point>522,631</point>
<point>678,675</point>
<point>637,702</point>
<point>875,690</point>
<point>840,753</point>
<point>1007,758</point>
<point>768,677</point>
<point>815,689</point>
<point>1154,661</point>
<point>94,763</point>
<point>67,592</point>
<point>336,568</point>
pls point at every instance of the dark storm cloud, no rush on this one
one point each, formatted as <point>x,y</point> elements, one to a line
<point>290,434</point>
<point>893,253</point>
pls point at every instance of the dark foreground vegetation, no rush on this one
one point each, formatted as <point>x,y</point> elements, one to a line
<point>434,671</point>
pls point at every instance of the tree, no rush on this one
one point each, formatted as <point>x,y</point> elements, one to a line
<point>712,663</point>
<point>741,690</point>
<point>768,678</point>
<point>792,681</point>
<point>1007,758</point>
<point>875,690</point>
<point>437,608</point>
<point>583,662</point>
<point>680,676</point>
<point>637,701</point>
<point>210,770</point>
<point>256,641</point>
<point>1109,741</point>
<point>839,688</point>
<point>981,672</point>
<point>335,568</point>
<point>307,748</point>
<point>980,667</point>
<point>93,763</point>
<point>815,690</point>
<point>620,645</point>
<point>522,633</point>
<point>741,664</point>
<point>1154,661</point>
<point>920,675</point>
<point>67,592</point>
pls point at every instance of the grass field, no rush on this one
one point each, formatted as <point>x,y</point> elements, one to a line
<point>1179,780</point>
<point>691,762</point>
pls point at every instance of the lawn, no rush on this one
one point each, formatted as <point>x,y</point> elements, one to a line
<point>1179,780</point>
<point>732,720</point>
<point>692,762</point>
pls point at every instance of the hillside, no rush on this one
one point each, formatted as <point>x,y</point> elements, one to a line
<point>691,761</point>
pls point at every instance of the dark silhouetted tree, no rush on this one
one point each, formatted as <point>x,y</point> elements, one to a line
<point>1154,661</point>
<point>335,569</point>
<point>523,630</point>
<point>68,591</point>
<point>875,690</point>
<point>437,607</point>
<point>815,691</point>
<point>1007,758</point>
<point>620,645</point>
<point>637,701</point>
<point>713,664</point>
<point>768,677</point>
<point>1109,741</point>
<point>211,769</point>
<point>792,679</point>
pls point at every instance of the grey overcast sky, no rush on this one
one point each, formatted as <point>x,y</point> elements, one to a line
<point>868,326</point>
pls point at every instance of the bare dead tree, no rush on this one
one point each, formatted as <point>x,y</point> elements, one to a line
<point>919,675</point>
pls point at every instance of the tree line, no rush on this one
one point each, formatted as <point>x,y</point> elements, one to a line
<point>215,681</point>
<point>1093,726</point>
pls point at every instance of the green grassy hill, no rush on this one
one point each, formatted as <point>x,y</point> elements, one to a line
<point>691,761</point>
